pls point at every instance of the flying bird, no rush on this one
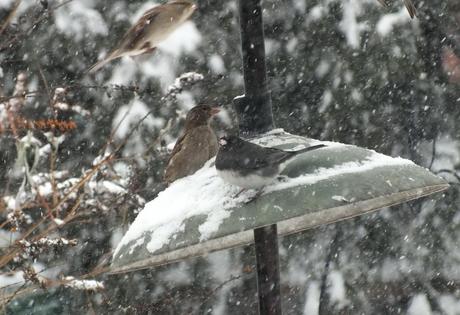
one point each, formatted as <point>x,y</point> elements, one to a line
<point>408,3</point>
<point>196,145</point>
<point>251,166</point>
<point>152,28</point>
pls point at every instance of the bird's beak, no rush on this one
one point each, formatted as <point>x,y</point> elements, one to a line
<point>215,110</point>
<point>222,142</point>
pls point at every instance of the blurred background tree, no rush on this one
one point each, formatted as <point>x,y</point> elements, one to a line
<point>341,70</point>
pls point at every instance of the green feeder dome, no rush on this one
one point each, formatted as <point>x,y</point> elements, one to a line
<point>200,213</point>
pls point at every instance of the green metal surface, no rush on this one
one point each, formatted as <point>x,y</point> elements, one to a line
<point>51,302</point>
<point>295,208</point>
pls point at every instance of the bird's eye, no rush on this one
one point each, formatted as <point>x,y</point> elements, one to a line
<point>222,142</point>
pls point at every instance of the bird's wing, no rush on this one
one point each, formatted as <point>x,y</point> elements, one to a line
<point>131,38</point>
<point>189,154</point>
<point>408,3</point>
<point>194,135</point>
<point>98,65</point>
<point>257,157</point>
<point>410,8</point>
<point>273,156</point>
<point>177,147</point>
<point>139,30</point>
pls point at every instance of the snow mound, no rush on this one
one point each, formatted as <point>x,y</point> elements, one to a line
<point>206,194</point>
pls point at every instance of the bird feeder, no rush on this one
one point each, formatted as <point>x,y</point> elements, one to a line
<point>200,213</point>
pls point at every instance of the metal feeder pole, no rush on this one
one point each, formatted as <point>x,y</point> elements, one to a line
<point>254,111</point>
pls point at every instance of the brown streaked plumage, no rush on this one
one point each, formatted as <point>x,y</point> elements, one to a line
<point>152,28</point>
<point>196,145</point>
<point>408,3</point>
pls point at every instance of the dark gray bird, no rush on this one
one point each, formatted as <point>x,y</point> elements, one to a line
<point>251,166</point>
<point>152,28</point>
<point>408,3</point>
<point>196,145</point>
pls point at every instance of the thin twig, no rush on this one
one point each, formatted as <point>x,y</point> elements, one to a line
<point>72,215</point>
<point>45,83</point>
<point>433,154</point>
<point>332,253</point>
<point>43,17</point>
<point>113,132</point>
<point>23,95</point>
<point>15,293</point>
<point>220,286</point>
<point>10,16</point>
<point>7,258</point>
<point>452,172</point>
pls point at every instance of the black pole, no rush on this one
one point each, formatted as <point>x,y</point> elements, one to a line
<point>254,109</point>
<point>268,270</point>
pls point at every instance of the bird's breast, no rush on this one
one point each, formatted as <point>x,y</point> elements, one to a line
<point>163,26</point>
<point>253,180</point>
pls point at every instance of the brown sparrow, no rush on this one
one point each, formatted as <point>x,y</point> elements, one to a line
<point>196,145</point>
<point>408,3</point>
<point>152,28</point>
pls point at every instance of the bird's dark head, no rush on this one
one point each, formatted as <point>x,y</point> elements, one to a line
<point>200,115</point>
<point>229,141</point>
<point>184,7</point>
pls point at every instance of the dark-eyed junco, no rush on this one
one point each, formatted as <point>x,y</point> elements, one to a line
<point>152,28</point>
<point>251,166</point>
<point>196,145</point>
<point>408,3</point>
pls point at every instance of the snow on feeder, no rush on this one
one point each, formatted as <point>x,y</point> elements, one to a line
<point>200,213</point>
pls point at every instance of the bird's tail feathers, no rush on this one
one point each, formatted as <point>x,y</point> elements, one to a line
<point>311,148</point>
<point>410,8</point>
<point>98,65</point>
<point>287,158</point>
<point>408,3</point>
